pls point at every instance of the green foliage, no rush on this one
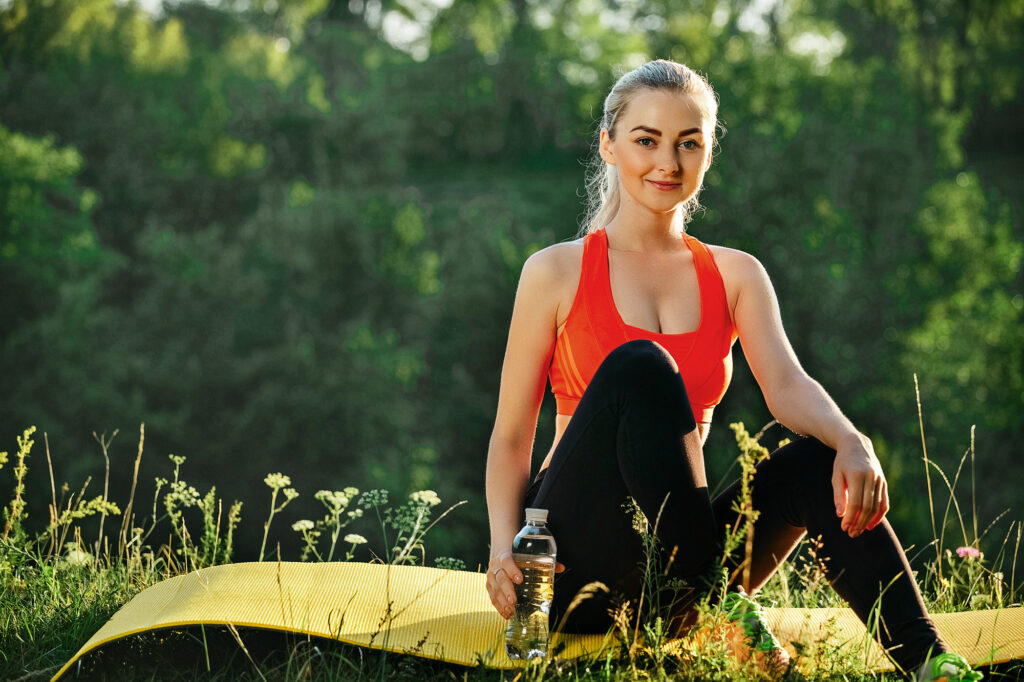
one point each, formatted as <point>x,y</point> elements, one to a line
<point>240,222</point>
<point>54,593</point>
<point>52,601</point>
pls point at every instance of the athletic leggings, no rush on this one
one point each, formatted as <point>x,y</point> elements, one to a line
<point>626,439</point>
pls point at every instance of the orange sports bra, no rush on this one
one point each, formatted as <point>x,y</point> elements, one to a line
<point>593,329</point>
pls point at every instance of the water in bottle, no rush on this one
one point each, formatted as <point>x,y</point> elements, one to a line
<point>533,550</point>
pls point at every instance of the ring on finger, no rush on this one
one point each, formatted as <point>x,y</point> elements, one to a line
<point>499,568</point>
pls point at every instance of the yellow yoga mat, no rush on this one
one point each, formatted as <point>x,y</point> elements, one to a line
<point>446,615</point>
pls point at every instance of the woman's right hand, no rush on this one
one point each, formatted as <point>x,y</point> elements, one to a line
<point>502,577</point>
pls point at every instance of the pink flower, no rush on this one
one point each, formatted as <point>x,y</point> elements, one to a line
<point>968,552</point>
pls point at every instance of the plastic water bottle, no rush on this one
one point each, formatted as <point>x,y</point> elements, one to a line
<point>533,550</point>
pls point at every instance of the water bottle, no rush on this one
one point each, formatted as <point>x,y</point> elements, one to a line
<point>533,550</point>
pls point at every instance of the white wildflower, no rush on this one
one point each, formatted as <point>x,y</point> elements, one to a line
<point>333,499</point>
<point>427,497</point>
<point>355,539</point>
<point>277,481</point>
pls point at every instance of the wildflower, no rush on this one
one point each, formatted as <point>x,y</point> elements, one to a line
<point>334,499</point>
<point>964,552</point>
<point>277,481</point>
<point>181,493</point>
<point>290,493</point>
<point>355,539</point>
<point>303,525</point>
<point>425,497</point>
<point>351,492</point>
<point>177,459</point>
<point>373,498</point>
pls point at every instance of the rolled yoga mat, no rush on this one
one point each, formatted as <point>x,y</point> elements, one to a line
<point>446,615</point>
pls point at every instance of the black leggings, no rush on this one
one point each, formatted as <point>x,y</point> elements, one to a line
<point>629,438</point>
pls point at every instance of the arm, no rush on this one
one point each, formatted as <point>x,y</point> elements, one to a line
<point>801,404</point>
<point>531,341</point>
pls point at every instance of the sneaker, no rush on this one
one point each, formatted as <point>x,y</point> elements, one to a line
<point>947,667</point>
<point>749,619</point>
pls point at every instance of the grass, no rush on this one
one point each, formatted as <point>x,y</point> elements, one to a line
<point>57,588</point>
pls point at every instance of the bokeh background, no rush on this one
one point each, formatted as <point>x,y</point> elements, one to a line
<point>286,234</point>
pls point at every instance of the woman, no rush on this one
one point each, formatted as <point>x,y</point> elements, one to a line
<point>634,325</point>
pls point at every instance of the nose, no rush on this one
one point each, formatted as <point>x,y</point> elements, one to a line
<point>669,162</point>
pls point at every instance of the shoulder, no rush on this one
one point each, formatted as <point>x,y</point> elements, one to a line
<point>554,265</point>
<point>740,271</point>
<point>737,265</point>
<point>550,276</point>
<point>555,259</point>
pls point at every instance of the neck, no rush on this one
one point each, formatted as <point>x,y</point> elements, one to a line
<point>643,231</point>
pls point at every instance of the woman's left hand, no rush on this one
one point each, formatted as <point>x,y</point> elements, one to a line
<point>858,484</point>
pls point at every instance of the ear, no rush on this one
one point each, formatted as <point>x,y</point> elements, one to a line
<point>605,147</point>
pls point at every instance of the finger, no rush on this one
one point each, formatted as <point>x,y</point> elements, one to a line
<point>871,510</point>
<point>496,595</point>
<point>511,569</point>
<point>838,491</point>
<point>855,494</point>
<point>559,567</point>
<point>508,592</point>
<point>883,505</point>
<point>869,505</point>
<point>501,590</point>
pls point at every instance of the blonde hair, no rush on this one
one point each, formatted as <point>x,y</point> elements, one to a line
<point>602,178</point>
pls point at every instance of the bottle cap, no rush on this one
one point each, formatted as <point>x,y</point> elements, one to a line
<point>537,515</point>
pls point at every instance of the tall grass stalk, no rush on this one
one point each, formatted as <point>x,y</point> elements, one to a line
<point>126,518</point>
<point>105,447</point>
<point>927,475</point>
<point>53,491</point>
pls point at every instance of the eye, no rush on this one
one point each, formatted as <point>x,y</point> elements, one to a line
<point>689,144</point>
<point>640,141</point>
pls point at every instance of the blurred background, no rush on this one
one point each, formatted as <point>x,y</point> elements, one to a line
<point>286,234</point>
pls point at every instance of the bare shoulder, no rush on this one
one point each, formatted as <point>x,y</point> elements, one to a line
<point>740,271</point>
<point>554,272</point>
<point>735,264</point>
<point>555,261</point>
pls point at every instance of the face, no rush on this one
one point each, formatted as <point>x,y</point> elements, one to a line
<point>660,149</point>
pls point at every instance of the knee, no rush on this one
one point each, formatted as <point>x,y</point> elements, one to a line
<point>641,374</point>
<point>639,359</point>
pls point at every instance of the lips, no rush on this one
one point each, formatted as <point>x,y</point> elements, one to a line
<point>665,186</point>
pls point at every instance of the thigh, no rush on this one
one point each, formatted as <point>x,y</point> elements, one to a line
<point>590,518</point>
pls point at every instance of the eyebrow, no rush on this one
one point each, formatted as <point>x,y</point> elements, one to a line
<point>655,131</point>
